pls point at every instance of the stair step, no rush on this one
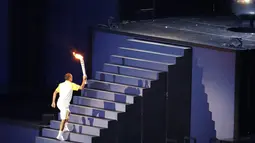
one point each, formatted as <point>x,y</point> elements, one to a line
<point>99,103</point>
<point>147,55</point>
<point>88,120</point>
<point>107,95</point>
<point>141,63</point>
<point>95,112</point>
<point>49,140</point>
<point>132,71</point>
<point>123,79</point>
<point>69,136</point>
<point>157,47</point>
<point>77,128</point>
<point>115,87</point>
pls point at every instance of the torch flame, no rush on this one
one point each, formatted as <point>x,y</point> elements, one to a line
<point>77,56</point>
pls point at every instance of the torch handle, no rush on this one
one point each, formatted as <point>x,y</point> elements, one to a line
<point>83,67</point>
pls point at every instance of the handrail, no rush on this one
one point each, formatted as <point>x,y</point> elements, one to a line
<point>189,139</point>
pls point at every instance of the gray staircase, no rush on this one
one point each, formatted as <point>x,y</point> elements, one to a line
<point>88,120</point>
<point>138,62</point>
<point>131,71</point>
<point>123,79</point>
<point>78,128</point>
<point>99,103</point>
<point>109,95</point>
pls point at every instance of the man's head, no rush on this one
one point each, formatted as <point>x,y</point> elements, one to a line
<point>69,77</point>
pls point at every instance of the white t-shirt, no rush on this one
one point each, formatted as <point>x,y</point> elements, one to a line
<point>65,90</point>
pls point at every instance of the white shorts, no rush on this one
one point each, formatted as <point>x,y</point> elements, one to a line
<point>64,109</point>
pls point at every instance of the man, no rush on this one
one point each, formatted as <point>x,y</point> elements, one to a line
<point>65,90</point>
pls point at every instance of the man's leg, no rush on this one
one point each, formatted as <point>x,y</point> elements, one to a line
<point>66,121</point>
<point>62,124</point>
<point>67,116</point>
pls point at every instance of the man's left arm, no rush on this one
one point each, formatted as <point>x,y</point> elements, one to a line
<point>53,104</point>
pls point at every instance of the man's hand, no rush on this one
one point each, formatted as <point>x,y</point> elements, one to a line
<point>84,81</point>
<point>53,105</point>
<point>84,77</point>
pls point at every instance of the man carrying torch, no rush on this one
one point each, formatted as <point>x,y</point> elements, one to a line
<point>65,90</point>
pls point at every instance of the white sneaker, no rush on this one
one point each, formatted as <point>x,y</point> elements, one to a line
<point>60,137</point>
<point>66,129</point>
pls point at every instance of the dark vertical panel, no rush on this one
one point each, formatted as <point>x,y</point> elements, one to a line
<point>27,40</point>
<point>154,111</point>
<point>4,53</point>
<point>238,80</point>
<point>245,82</point>
<point>179,97</point>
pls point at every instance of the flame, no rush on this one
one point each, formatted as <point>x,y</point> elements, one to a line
<point>77,56</point>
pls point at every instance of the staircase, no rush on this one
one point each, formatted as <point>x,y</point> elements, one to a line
<point>109,109</point>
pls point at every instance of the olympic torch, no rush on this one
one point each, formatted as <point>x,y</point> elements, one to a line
<point>80,57</point>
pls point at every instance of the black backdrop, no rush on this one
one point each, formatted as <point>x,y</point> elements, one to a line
<point>41,36</point>
<point>165,8</point>
<point>245,94</point>
<point>26,37</point>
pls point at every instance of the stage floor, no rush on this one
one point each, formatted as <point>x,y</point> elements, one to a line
<point>193,31</point>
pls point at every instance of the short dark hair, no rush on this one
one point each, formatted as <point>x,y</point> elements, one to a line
<point>68,76</point>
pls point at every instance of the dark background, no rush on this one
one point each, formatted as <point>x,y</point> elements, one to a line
<point>130,9</point>
<point>37,37</point>
<point>4,62</point>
